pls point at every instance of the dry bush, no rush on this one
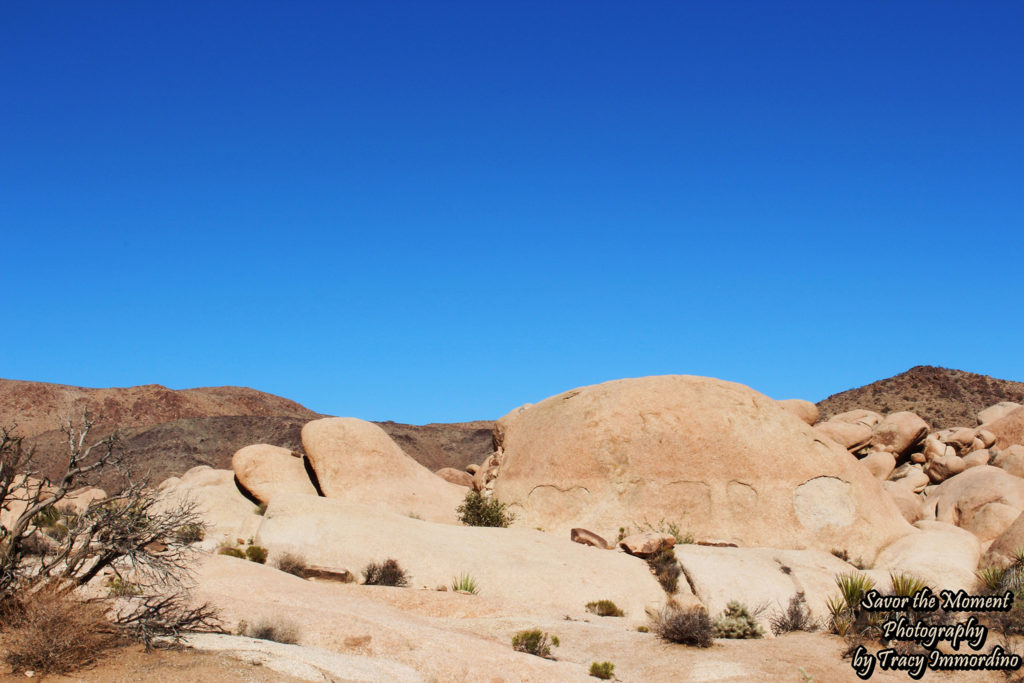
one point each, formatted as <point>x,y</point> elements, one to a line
<point>685,626</point>
<point>292,564</point>
<point>796,617</point>
<point>388,573</point>
<point>51,631</point>
<point>604,608</point>
<point>666,569</point>
<point>265,629</point>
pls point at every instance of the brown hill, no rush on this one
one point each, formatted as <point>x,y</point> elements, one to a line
<point>165,432</point>
<point>943,397</point>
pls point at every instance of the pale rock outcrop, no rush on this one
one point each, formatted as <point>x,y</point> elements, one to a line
<point>984,500</point>
<point>959,438</point>
<point>935,449</point>
<point>911,476</point>
<point>1004,549</point>
<point>868,418</point>
<point>988,439</point>
<point>719,458</point>
<point>1008,429</point>
<point>1011,460</point>
<point>908,502</point>
<point>647,543</point>
<point>760,576</point>
<point>265,470</point>
<point>850,435</point>
<point>944,555</point>
<point>899,432</point>
<point>518,566</point>
<point>78,501</point>
<point>941,469</point>
<point>879,463</point>
<point>227,513</point>
<point>805,410</point>
<point>979,457</point>
<point>997,411</point>
<point>357,461</point>
<point>454,476</point>
<point>483,479</point>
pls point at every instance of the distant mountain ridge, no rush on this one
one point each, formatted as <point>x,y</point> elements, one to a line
<point>941,396</point>
<point>166,432</point>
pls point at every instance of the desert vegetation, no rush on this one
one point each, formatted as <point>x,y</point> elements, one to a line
<point>535,642</point>
<point>602,670</point>
<point>684,626</point>
<point>479,510</point>
<point>386,573</point>
<point>604,608</point>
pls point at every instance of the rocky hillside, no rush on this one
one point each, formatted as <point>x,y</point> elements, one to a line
<point>943,397</point>
<point>166,432</point>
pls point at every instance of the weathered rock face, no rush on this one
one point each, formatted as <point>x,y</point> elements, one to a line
<point>997,411</point>
<point>899,432</point>
<point>850,435</point>
<point>1009,429</point>
<point>457,477</point>
<point>1011,459</point>
<point>266,470</point>
<point>1007,544</point>
<point>805,410</point>
<point>356,461</point>
<point>879,463</point>
<point>985,500</point>
<point>941,554</point>
<point>227,513</point>
<point>908,502</point>
<point>647,543</point>
<point>868,418</point>
<point>721,459</point>
<point>519,566</point>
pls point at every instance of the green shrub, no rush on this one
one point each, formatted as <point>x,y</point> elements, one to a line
<point>666,569</point>
<point>602,670</point>
<point>905,585</point>
<point>604,608</point>
<point>231,552</point>
<point>465,583</point>
<point>119,588</point>
<point>387,573</point>
<point>257,554</point>
<point>736,622</point>
<point>479,510</point>
<point>687,627</point>
<point>190,533</point>
<point>534,642</point>
<point>796,617</point>
<point>643,629</point>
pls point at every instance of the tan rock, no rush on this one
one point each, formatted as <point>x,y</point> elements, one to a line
<point>265,470</point>
<point>518,566</point>
<point>868,418</point>
<point>997,411</point>
<point>1005,547</point>
<point>899,432</point>
<point>227,513</point>
<point>1009,429</point>
<point>975,458</point>
<point>912,476</point>
<point>457,477</point>
<point>78,501</point>
<point>943,555</point>
<point>941,469</point>
<point>908,502</point>
<point>588,538</point>
<point>1011,459</point>
<point>934,448</point>
<point>805,410</point>
<point>960,438</point>
<point>358,462</point>
<point>879,463</point>
<point>647,543</point>
<point>722,460</point>
<point>987,437</point>
<point>850,435</point>
<point>760,576</point>
<point>985,500</point>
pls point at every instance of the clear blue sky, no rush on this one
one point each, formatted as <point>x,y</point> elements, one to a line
<point>438,211</point>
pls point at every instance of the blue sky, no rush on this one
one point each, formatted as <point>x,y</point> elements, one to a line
<point>439,211</point>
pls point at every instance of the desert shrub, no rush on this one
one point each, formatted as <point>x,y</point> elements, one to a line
<point>120,588</point>
<point>387,573</point>
<point>293,564</point>
<point>845,612</point>
<point>479,510</point>
<point>465,583</point>
<point>231,552</point>
<point>602,670</point>
<point>643,629</point>
<point>666,569</point>
<point>905,584</point>
<point>534,642</point>
<point>735,621</point>
<point>664,527</point>
<point>796,617</point>
<point>50,631</point>
<point>684,626</point>
<point>267,630</point>
<point>190,533</point>
<point>257,554</point>
<point>604,608</point>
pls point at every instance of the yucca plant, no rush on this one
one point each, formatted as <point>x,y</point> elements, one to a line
<point>465,583</point>
<point>992,577</point>
<point>906,585</point>
<point>840,615</point>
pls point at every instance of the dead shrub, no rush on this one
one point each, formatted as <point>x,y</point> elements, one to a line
<point>51,631</point>
<point>666,569</point>
<point>387,573</point>
<point>267,630</point>
<point>292,564</point>
<point>796,617</point>
<point>684,626</point>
